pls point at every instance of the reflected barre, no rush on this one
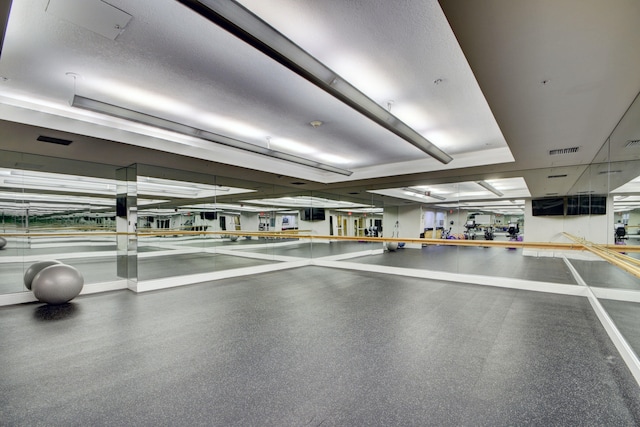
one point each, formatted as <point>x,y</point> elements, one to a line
<point>611,254</point>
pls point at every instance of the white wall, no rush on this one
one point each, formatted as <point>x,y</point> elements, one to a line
<point>318,228</point>
<point>459,218</point>
<point>389,218</point>
<point>249,221</point>
<point>484,220</point>
<point>634,221</point>
<point>212,224</point>
<point>410,222</point>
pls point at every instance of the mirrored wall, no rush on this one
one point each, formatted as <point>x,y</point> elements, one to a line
<point>148,227</point>
<point>167,223</point>
<point>48,215</point>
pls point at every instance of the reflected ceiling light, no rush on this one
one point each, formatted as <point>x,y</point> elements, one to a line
<point>423,193</point>
<point>303,201</point>
<point>231,126</point>
<point>333,158</point>
<point>41,183</point>
<point>139,96</point>
<point>248,27</point>
<point>364,71</point>
<point>55,198</point>
<point>183,185</point>
<point>292,146</point>
<point>410,193</point>
<point>147,119</point>
<point>490,187</point>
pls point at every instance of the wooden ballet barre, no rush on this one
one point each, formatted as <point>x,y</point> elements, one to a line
<point>619,260</point>
<point>298,234</point>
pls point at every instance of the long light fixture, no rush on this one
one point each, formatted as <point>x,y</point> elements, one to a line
<point>490,187</point>
<point>424,193</point>
<point>158,122</point>
<point>248,27</point>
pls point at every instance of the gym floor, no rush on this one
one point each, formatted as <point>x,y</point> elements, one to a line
<point>313,346</point>
<point>496,262</point>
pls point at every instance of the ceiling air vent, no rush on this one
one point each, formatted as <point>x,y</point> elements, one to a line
<point>557,176</point>
<point>569,150</point>
<point>298,183</point>
<point>632,143</point>
<point>609,172</point>
<point>551,194</point>
<point>53,140</point>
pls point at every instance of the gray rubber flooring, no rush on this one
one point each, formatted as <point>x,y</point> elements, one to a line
<point>626,316</point>
<point>207,243</point>
<point>605,275</point>
<point>178,265</point>
<point>499,262</point>
<point>471,260</point>
<point>316,250</point>
<point>97,270</point>
<point>313,346</point>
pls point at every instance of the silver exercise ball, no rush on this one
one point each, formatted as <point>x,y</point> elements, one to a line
<point>3,242</point>
<point>35,269</point>
<point>57,284</point>
<point>392,246</point>
<point>233,238</point>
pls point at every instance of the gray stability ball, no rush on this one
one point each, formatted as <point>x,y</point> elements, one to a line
<point>3,242</point>
<point>57,284</point>
<point>35,269</point>
<point>392,246</point>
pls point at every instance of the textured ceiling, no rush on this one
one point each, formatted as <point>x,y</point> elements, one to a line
<point>495,84</point>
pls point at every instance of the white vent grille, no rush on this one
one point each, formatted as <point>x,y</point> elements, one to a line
<point>569,150</point>
<point>632,143</point>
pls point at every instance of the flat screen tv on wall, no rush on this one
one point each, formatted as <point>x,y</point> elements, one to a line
<point>121,205</point>
<point>209,215</point>
<point>587,205</point>
<point>313,214</point>
<point>598,205</point>
<point>548,206</point>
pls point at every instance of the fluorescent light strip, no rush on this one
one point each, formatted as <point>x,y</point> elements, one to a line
<point>248,27</point>
<point>62,185</point>
<point>424,193</point>
<point>489,187</point>
<point>146,119</point>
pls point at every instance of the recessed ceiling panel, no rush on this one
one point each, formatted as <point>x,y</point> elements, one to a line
<point>172,63</point>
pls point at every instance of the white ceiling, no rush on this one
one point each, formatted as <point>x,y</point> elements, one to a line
<point>496,84</point>
<point>171,63</point>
